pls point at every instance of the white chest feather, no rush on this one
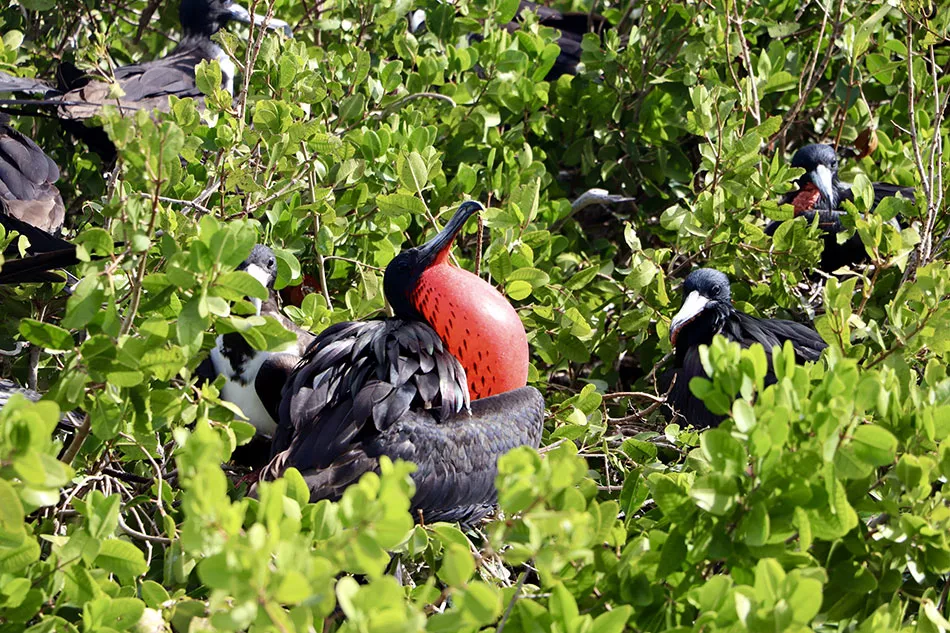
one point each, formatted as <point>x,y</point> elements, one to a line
<point>240,389</point>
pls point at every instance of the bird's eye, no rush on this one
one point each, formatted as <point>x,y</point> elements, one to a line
<point>271,262</point>
<point>716,289</point>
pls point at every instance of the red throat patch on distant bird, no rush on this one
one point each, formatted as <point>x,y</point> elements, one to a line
<point>478,325</point>
<point>806,199</point>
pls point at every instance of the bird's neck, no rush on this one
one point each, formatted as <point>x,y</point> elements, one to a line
<point>702,330</point>
<point>478,326</point>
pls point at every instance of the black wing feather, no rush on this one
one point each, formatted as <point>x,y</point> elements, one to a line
<point>746,330</point>
<point>402,402</point>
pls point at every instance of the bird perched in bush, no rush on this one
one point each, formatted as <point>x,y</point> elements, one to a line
<point>441,385</point>
<point>31,206</point>
<point>820,191</point>
<point>77,97</point>
<point>707,310</point>
<point>571,25</point>
<point>254,378</point>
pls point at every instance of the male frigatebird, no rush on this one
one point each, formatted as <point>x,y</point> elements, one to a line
<point>707,310</point>
<point>254,379</point>
<point>442,384</point>
<point>78,98</point>
<point>820,191</point>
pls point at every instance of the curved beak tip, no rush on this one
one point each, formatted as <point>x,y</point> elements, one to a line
<point>471,206</point>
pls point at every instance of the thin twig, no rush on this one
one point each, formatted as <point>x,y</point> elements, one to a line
<point>161,540</point>
<point>379,115</point>
<point>815,77</point>
<point>511,603</point>
<point>81,434</point>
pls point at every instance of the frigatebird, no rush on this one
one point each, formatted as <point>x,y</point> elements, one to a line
<point>254,378</point>
<point>572,26</point>
<point>148,85</point>
<point>442,384</point>
<point>28,181</point>
<point>31,205</point>
<point>820,191</point>
<point>707,310</point>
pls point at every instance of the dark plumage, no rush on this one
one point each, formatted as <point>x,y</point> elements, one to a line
<point>707,310</point>
<point>27,182</point>
<point>821,191</point>
<point>31,205</point>
<point>373,388</point>
<point>148,85</point>
<point>572,26</point>
<point>394,387</point>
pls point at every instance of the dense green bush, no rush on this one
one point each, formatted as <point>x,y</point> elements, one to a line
<point>818,505</point>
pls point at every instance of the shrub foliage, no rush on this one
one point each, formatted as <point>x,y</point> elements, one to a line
<point>819,504</point>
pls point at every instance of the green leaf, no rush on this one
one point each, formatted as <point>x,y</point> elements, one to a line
<point>874,445</point>
<point>414,175</point>
<point>46,335</point>
<point>154,595</point>
<point>726,455</point>
<point>457,565</point>
<point>518,290</point>
<point>672,555</point>
<point>122,559</point>
<point>12,531</point>
<point>612,621</point>
<point>400,203</point>
<point>563,607</point>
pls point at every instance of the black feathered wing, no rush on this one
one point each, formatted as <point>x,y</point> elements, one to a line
<point>367,389</point>
<point>745,330</point>
<point>46,252</point>
<point>145,86</point>
<point>748,330</point>
<point>27,175</point>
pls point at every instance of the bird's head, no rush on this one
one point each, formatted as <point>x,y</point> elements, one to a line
<point>207,17</point>
<point>820,163</point>
<point>404,272</point>
<point>705,291</point>
<point>261,264</point>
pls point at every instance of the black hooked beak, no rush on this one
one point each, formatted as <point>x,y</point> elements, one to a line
<point>239,14</point>
<point>438,247</point>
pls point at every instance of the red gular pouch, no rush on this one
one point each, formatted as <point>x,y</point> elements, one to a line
<point>806,199</point>
<point>477,324</point>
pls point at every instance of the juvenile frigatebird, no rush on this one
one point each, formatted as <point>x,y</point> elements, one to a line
<point>254,378</point>
<point>707,310</point>
<point>442,384</point>
<point>820,191</point>
<point>78,98</point>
